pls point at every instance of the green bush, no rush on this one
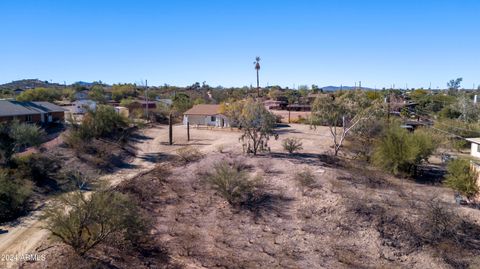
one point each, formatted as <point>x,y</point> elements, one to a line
<point>90,221</point>
<point>400,152</point>
<point>102,123</point>
<point>37,168</point>
<point>292,144</point>
<point>462,178</point>
<point>26,135</point>
<point>13,196</point>
<point>231,183</point>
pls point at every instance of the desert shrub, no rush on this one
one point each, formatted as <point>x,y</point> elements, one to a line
<point>15,135</point>
<point>189,154</point>
<point>440,223</point>
<point>91,221</point>
<point>305,177</point>
<point>220,148</point>
<point>74,139</point>
<point>232,184</point>
<point>266,166</point>
<point>458,144</point>
<point>462,178</point>
<point>101,123</point>
<point>400,152</point>
<point>37,167</point>
<point>292,144</point>
<point>14,196</point>
<point>26,134</point>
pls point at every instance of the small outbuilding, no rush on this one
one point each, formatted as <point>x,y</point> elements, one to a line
<point>207,115</point>
<point>475,146</point>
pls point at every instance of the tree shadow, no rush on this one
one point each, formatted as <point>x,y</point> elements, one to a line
<point>309,158</point>
<point>264,203</point>
<point>430,175</point>
<point>157,157</point>
<point>138,137</point>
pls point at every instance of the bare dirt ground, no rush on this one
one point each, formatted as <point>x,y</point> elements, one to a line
<point>349,218</point>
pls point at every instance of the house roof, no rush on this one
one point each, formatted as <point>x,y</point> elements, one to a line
<point>203,110</point>
<point>475,140</point>
<point>16,108</point>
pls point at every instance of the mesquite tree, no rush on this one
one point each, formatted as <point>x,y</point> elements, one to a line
<point>257,124</point>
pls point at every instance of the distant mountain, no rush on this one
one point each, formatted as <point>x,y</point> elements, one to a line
<point>84,84</point>
<point>26,84</point>
<point>345,88</point>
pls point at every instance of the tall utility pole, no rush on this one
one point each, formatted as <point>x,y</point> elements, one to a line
<point>146,100</point>
<point>360,85</point>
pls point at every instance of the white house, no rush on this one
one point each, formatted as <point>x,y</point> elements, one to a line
<point>475,164</point>
<point>82,106</point>
<point>475,146</point>
<point>208,115</point>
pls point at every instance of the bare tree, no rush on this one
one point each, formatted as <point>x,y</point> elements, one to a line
<point>342,114</point>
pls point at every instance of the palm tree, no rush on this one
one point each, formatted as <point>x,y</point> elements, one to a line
<point>257,67</point>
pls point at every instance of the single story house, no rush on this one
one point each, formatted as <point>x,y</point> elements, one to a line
<point>209,115</point>
<point>34,112</point>
<point>82,106</point>
<point>136,104</point>
<point>474,148</point>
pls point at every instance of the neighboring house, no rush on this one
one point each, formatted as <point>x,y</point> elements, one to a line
<point>208,115</point>
<point>81,95</point>
<point>123,111</point>
<point>34,112</point>
<point>165,102</point>
<point>276,105</point>
<point>135,104</point>
<point>475,152</point>
<point>82,106</point>
<point>475,146</point>
<point>18,91</point>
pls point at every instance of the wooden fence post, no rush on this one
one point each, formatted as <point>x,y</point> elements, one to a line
<point>170,130</point>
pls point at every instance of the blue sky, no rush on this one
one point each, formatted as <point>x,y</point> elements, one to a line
<point>300,42</point>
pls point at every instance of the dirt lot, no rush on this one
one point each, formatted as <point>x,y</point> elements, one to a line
<point>348,218</point>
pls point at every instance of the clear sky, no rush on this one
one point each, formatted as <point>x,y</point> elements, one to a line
<point>328,42</point>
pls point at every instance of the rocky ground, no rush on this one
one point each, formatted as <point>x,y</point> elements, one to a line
<point>349,217</point>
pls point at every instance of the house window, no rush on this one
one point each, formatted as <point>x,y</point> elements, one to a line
<point>478,148</point>
<point>213,118</point>
<point>28,118</point>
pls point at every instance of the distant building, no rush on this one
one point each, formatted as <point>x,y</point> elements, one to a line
<point>34,112</point>
<point>276,105</point>
<point>142,104</point>
<point>83,106</point>
<point>475,164</point>
<point>123,111</point>
<point>208,115</point>
<point>18,91</point>
<point>474,148</point>
<point>81,95</point>
<point>166,102</point>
